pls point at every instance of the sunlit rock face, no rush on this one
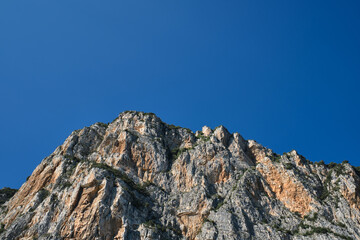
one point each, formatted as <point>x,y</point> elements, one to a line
<point>140,178</point>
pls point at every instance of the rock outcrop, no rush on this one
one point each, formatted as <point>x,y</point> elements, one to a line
<point>140,178</point>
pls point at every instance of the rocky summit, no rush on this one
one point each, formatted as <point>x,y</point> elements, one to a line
<point>140,178</point>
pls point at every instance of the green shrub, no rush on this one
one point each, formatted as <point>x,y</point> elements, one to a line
<point>105,125</point>
<point>140,188</point>
<point>313,218</point>
<point>275,157</point>
<point>176,152</point>
<point>332,164</point>
<point>6,194</point>
<point>149,223</point>
<point>325,192</point>
<point>319,230</point>
<point>280,229</point>
<point>321,162</point>
<point>202,137</point>
<point>339,170</point>
<point>171,126</point>
<point>43,194</point>
<point>343,236</point>
<point>54,198</point>
<point>66,184</point>
<point>160,227</point>
<point>2,228</point>
<point>297,214</point>
<point>336,188</point>
<point>219,206</point>
<point>205,139</point>
<point>129,111</point>
<point>340,224</point>
<point>149,114</point>
<point>288,166</point>
<point>72,158</point>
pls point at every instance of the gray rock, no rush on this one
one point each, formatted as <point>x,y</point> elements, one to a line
<point>140,178</point>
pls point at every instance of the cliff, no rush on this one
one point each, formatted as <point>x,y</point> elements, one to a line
<point>140,178</point>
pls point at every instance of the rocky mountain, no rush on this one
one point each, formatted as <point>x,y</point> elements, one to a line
<point>140,178</point>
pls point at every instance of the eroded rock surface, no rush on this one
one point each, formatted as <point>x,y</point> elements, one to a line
<point>140,178</point>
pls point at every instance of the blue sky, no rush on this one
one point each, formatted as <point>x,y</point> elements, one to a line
<point>285,73</point>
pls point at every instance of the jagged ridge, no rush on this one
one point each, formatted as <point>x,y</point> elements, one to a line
<point>140,178</point>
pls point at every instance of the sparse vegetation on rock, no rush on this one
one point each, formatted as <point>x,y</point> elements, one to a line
<point>140,178</point>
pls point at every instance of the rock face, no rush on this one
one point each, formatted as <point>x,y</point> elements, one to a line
<point>140,178</point>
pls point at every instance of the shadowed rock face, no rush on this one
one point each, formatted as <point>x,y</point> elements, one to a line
<point>140,178</point>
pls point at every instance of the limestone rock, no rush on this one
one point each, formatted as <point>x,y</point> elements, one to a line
<point>206,131</point>
<point>140,178</point>
<point>222,134</point>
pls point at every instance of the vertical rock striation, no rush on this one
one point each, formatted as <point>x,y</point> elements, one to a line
<point>140,178</point>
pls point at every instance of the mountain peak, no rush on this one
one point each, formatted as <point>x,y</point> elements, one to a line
<point>140,178</point>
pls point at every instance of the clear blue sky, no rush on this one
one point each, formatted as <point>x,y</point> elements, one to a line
<point>285,73</point>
